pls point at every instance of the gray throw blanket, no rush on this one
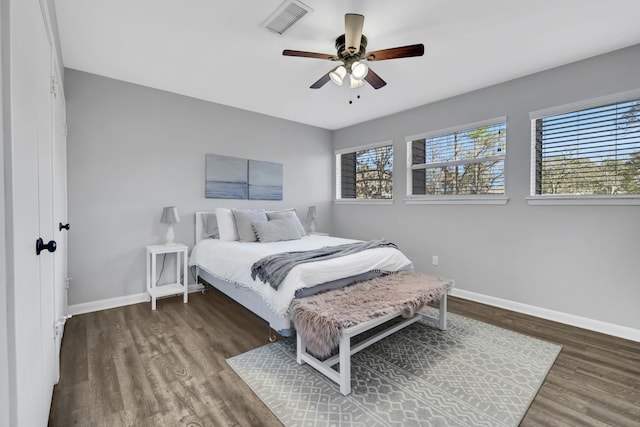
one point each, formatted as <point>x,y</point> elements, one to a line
<point>274,268</point>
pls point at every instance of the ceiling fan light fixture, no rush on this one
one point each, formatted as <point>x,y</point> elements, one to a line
<point>337,75</point>
<point>354,83</point>
<point>359,70</point>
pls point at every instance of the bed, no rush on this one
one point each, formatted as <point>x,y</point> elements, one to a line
<point>264,266</point>
<point>226,265</point>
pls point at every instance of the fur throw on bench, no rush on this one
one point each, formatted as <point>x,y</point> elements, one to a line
<point>320,318</point>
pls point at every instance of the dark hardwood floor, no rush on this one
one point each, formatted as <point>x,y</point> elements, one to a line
<point>130,366</point>
<point>595,380</point>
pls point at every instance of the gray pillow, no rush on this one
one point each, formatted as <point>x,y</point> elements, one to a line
<point>288,214</point>
<point>276,230</point>
<point>210,226</point>
<point>245,220</point>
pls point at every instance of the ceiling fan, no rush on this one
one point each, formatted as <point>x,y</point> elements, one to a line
<point>351,51</point>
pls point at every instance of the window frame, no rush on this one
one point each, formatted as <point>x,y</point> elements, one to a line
<point>338,174</point>
<point>467,199</point>
<point>567,199</point>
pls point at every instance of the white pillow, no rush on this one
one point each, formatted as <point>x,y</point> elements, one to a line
<point>226,224</point>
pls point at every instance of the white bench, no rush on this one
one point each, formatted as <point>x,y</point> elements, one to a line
<point>343,357</point>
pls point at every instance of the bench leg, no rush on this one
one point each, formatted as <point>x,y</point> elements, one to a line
<point>442,312</point>
<point>345,364</point>
<point>300,347</point>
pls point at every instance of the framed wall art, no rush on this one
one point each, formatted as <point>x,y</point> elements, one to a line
<point>236,178</point>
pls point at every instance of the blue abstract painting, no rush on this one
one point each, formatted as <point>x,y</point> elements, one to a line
<point>226,178</point>
<point>236,178</point>
<point>265,180</point>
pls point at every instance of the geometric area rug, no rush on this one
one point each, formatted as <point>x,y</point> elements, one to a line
<point>472,374</point>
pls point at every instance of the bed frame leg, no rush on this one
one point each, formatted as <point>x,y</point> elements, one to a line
<point>271,335</point>
<point>345,364</point>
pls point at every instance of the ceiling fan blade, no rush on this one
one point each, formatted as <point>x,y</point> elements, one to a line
<point>396,52</point>
<point>288,52</point>
<point>374,79</point>
<point>353,24</point>
<point>323,80</point>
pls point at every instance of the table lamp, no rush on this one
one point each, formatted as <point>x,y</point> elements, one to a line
<point>170,217</point>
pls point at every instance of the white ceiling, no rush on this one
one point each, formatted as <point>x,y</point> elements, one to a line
<point>218,51</point>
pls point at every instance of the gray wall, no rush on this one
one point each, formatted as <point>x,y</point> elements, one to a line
<point>133,150</point>
<point>580,260</point>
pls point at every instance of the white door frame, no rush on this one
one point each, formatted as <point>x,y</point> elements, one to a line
<point>59,134</point>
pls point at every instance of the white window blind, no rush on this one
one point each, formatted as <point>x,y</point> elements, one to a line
<point>594,151</point>
<point>460,162</point>
<point>366,174</point>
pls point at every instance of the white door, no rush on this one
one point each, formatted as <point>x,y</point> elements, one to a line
<point>31,287</point>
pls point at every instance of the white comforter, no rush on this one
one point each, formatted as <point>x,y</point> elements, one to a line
<point>232,261</point>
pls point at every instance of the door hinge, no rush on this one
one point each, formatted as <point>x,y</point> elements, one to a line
<point>67,281</point>
<point>65,130</point>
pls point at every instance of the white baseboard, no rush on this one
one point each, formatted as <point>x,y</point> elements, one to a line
<point>556,316</point>
<point>106,304</point>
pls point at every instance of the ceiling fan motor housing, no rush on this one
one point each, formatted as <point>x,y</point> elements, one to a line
<point>344,53</point>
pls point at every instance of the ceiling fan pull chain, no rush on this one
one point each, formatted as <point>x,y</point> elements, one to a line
<point>357,96</point>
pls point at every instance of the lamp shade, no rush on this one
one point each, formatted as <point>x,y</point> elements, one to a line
<point>355,83</point>
<point>312,214</point>
<point>359,70</point>
<point>337,75</point>
<point>170,215</point>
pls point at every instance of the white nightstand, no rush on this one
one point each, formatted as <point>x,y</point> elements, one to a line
<point>172,288</point>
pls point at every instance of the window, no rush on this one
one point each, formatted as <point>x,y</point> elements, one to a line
<point>365,173</point>
<point>464,161</point>
<point>590,152</point>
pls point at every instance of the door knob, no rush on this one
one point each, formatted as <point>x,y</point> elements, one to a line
<point>40,246</point>
<point>60,226</point>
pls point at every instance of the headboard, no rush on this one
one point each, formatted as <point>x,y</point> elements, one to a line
<point>199,224</point>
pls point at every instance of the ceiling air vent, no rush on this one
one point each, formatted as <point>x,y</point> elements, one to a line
<point>289,13</point>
